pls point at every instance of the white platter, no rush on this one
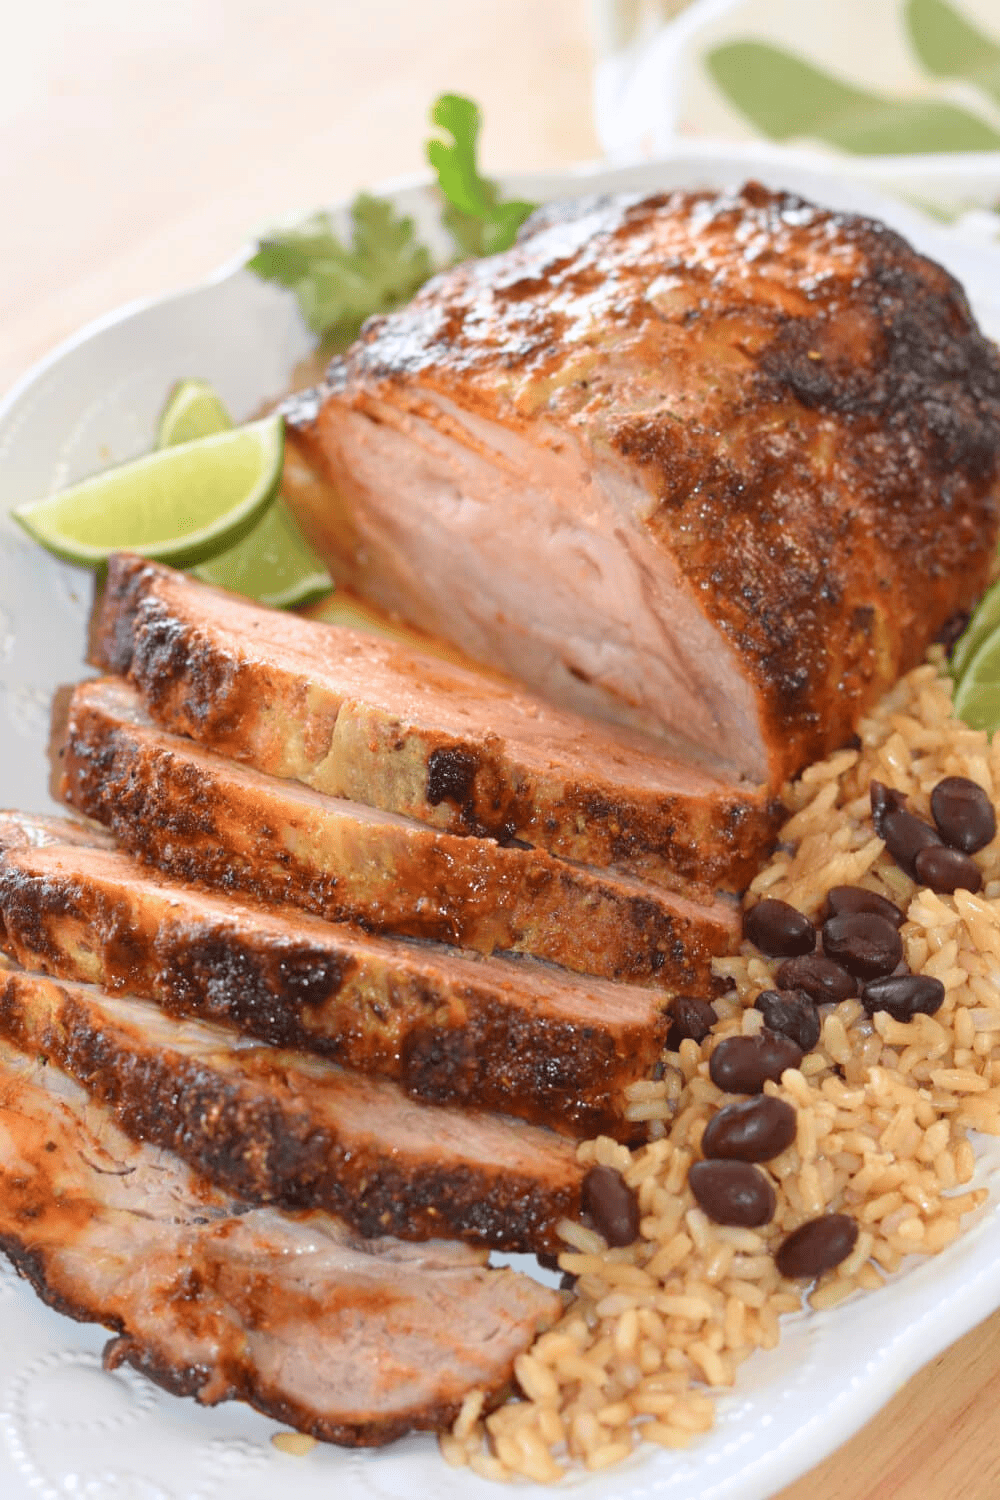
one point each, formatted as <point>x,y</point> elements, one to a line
<point>68,1429</point>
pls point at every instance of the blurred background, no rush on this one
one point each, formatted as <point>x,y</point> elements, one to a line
<point>141,145</point>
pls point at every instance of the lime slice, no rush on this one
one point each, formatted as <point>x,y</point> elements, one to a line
<point>977,694</point>
<point>193,410</point>
<point>985,619</point>
<point>181,505</point>
<point>274,564</point>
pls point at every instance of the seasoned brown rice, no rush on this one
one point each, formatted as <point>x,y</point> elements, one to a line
<point>883,1111</point>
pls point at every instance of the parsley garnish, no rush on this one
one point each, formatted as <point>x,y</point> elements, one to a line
<point>338,286</point>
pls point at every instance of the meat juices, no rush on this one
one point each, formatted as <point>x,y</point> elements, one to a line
<point>676,461</point>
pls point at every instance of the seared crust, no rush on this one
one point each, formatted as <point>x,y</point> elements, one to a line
<point>275,1127</point>
<point>215,1300</point>
<point>806,400</point>
<point>200,818</point>
<point>504,1034</point>
<point>386,725</point>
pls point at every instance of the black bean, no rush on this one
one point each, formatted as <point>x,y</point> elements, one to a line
<point>952,630</point>
<point>750,1129</point>
<point>779,930</point>
<point>946,870</point>
<point>963,813</point>
<point>790,1013</point>
<point>845,900</point>
<point>864,944</point>
<point>689,1017</point>
<point>905,836</point>
<point>612,1205</point>
<point>743,1064</point>
<point>820,978</point>
<point>817,1245</point>
<point>732,1192</point>
<point>884,799</point>
<point>904,995</point>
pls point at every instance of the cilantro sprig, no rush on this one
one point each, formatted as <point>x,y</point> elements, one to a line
<point>339,285</point>
<point>478,220</point>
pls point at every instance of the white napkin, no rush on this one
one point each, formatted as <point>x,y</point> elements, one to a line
<point>902,93</point>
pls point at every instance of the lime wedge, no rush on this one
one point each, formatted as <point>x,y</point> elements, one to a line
<point>194,409</point>
<point>985,619</point>
<point>180,505</point>
<point>977,693</point>
<point>274,564</point>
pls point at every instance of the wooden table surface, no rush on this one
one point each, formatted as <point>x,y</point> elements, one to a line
<point>139,144</point>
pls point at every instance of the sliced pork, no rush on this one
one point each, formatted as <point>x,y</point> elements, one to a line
<point>200,817</point>
<point>279,1127</point>
<point>499,1033</point>
<point>354,1341</point>
<point>716,466</point>
<point>19,830</point>
<point>387,725</point>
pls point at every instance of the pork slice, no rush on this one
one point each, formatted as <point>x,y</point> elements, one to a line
<point>354,1341</point>
<point>393,727</point>
<point>714,465</point>
<point>273,1126</point>
<point>200,817</point>
<point>19,830</point>
<point>508,1034</point>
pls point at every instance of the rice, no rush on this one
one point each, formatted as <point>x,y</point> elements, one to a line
<point>883,1115</point>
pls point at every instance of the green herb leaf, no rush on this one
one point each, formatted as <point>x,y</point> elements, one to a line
<point>478,221</point>
<point>339,286</point>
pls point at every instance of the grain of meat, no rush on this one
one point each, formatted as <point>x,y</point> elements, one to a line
<point>881,1153</point>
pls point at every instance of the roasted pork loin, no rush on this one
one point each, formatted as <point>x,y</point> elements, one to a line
<point>498,1033</point>
<point>383,724</point>
<point>200,817</point>
<point>272,1126</point>
<point>354,1341</point>
<point>717,466</point>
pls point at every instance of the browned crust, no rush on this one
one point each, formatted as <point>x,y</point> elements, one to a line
<point>226,686</point>
<point>449,1030</point>
<point>822,450</point>
<point>198,818</point>
<point>268,1132</point>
